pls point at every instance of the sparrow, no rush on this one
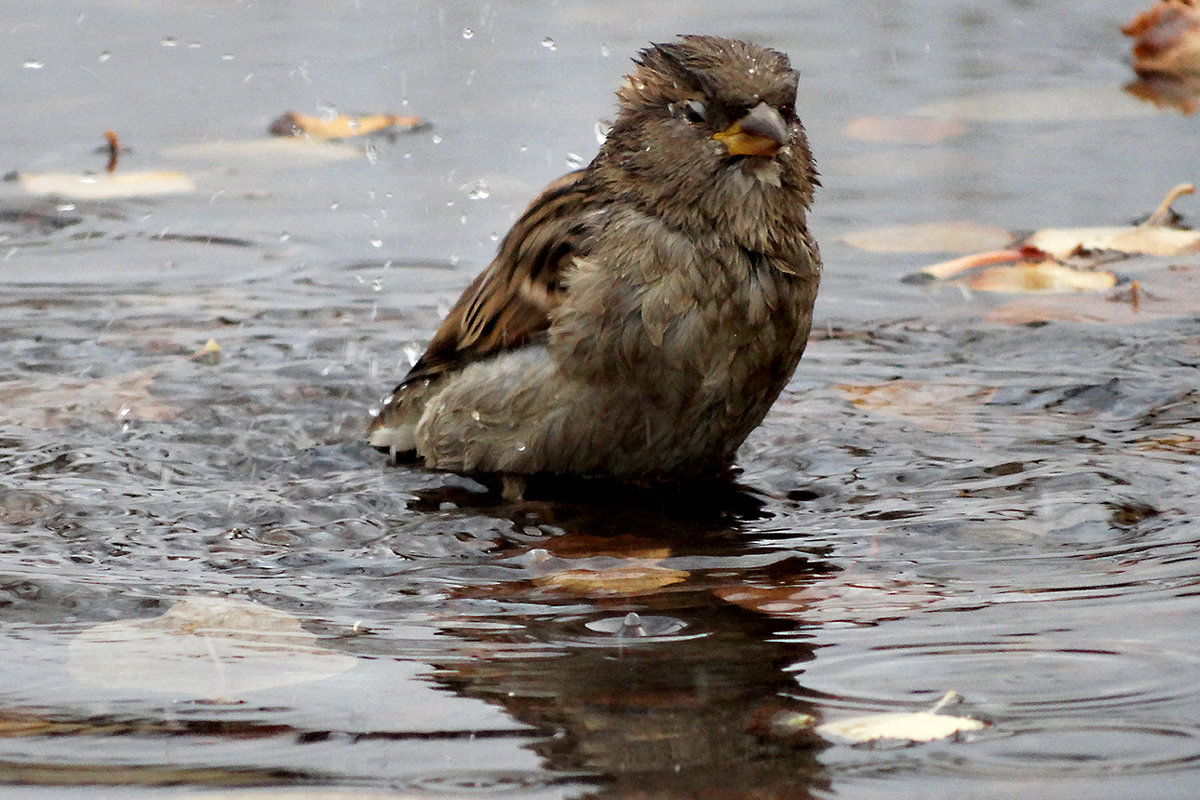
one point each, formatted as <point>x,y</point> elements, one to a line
<point>644,312</point>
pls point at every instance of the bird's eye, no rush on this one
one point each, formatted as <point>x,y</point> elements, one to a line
<point>694,111</point>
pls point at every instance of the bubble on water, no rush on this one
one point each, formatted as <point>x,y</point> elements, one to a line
<point>169,41</point>
<point>520,447</point>
<point>283,237</point>
<point>376,242</point>
<point>494,236</point>
<point>123,412</point>
<point>33,64</point>
<point>104,56</point>
<point>478,191</point>
<point>467,33</point>
<point>522,148</point>
<point>574,160</point>
<point>549,44</point>
<point>334,206</point>
<point>227,56</point>
<point>194,45</point>
<point>436,138</point>
<point>604,50</point>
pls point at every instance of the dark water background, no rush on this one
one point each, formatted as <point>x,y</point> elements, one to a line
<point>1012,516</point>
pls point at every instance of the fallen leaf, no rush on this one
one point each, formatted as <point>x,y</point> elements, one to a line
<point>624,580</point>
<point>1166,38</point>
<point>341,126</point>
<point>209,354</point>
<point>917,726</point>
<point>922,130</point>
<point>105,186</point>
<point>931,237</point>
<point>49,402</point>
<point>1038,265</point>
<point>1026,277</point>
<point>203,647</point>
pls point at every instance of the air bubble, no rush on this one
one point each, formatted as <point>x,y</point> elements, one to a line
<point>104,56</point>
<point>574,160</point>
<point>169,41</point>
<point>549,44</point>
<point>478,191</point>
<point>604,50</point>
<point>376,243</point>
<point>467,33</point>
<point>34,64</point>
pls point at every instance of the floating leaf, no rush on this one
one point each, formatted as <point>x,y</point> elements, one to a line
<point>625,579</point>
<point>922,130</point>
<point>931,237</point>
<point>105,186</point>
<point>204,647</point>
<point>1166,38</point>
<point>918,726</point>
<point>341,126</point>
<point>1025,277</point>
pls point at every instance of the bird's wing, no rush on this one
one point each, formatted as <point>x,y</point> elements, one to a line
<point>509,303</point>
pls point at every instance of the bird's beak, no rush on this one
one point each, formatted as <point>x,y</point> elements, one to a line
<point>760,133</point>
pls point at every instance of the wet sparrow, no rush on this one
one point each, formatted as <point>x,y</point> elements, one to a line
<point>644,312</point>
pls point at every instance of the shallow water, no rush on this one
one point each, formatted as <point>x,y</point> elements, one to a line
<point>939,502</point>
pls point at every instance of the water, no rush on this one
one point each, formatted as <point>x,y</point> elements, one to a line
<point>939,501</point>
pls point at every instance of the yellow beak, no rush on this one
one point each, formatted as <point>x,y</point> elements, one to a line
<point>760,133</point>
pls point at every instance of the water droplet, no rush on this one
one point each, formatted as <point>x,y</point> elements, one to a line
<point>604,50</point>
<point>62,208</point>
<point>169,41</point>
<point>468,33</point>
<point>104,56</point>
<point>494,236</point>
<point>123,412</point>
<point>549,44</point>
<point>520,447</point>
<point>334,206</point>
<point>283,237</point>
<point>478,191</point>
<point>574,161</point>
<point>227,56</point>
<point>601,129</point>
<point>436,138</point>
<point>34,64</point>
<point>194,45</point>
<point>522,148</point>
<point>376,242</point>
<point>411,352</point>
<point>371,151</point>
<point>475,415</point>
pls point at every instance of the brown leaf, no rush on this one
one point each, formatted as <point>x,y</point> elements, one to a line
<point>1166,38</point>
<point>631,578</point>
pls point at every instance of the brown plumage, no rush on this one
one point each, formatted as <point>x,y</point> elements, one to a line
<point>644,312</point>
